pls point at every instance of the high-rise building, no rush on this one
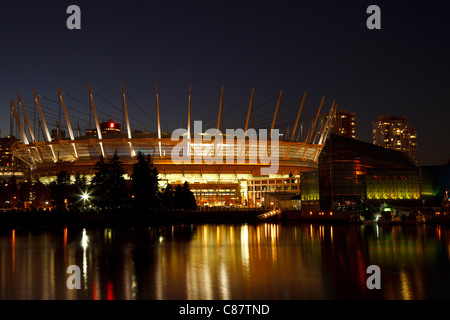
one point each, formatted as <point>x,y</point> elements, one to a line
<point>9,164</point>
<point>393,132</point>
<point>344,124</point>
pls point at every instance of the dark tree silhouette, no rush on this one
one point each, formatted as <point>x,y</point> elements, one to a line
<point>189,198</point>
<point>145,188</point>
<point>24,192</point>
<point>167,198</point>
<point>40,193</point>
<point>78,190</point>
<point>3,194</point>
<point>59,190</point>
<point>184,198</point>
<point>109,189</point>
<point>12,191</point>
<point>178,198</point>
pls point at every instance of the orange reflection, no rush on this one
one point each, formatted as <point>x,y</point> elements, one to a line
<point>264,261</point>
<point>65,245</point>
<point>218,236</point>
<point>331,234</point>
<point>13,245</point>
<point>65,236</point>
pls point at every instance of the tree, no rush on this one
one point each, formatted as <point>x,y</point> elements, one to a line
<point>145,187</point>
<point>12,191</point>
<point>109,185</point>
<point>189,199</point>
<point>40,193</point>
<point>184,198</point>
<point>167,198</point>
<point>80,192</point>
<point>59,190</point>
<point>4,199</point>
<point>24,192</point>
<point>98,183</point>
<point>178,198</point>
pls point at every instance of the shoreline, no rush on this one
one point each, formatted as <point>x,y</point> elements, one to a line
<point>30,219</point>
<point>114,219</point>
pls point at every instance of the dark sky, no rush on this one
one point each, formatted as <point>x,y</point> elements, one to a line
<point>322,48</point>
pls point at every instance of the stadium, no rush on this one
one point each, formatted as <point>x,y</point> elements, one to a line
<point>47,150</point>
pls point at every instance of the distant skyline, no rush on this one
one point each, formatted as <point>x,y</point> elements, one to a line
<point>322,48</point>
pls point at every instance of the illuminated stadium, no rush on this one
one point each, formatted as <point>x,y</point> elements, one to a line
<point>48,150</point>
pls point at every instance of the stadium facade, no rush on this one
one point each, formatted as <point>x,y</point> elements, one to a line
<point>214,183</point>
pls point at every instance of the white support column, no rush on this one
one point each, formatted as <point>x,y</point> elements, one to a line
<point>132,152</point>
<point>33,140</point>
<point>158,121</point>
<point>99,132</point>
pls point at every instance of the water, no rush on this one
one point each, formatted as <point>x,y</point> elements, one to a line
<point>223,262</point>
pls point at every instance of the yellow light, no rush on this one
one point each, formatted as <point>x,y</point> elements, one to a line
<point>331,213</point>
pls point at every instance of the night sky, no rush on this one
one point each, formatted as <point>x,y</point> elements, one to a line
<point>322,48</point>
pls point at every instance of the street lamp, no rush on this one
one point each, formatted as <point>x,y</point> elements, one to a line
<point>85,196</point>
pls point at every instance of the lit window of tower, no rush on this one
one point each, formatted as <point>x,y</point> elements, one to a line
<point>344,124</point>
<point>393,132</point>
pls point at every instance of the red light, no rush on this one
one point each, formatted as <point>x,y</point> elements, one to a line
<point>112,124</point>
<point>110,291</point>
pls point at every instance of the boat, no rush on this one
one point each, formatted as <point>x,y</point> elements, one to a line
<point>365,221</point>
<point>368,222</point>
<point>415,218</point>
<point>356,218</point>
<point>389,218</point>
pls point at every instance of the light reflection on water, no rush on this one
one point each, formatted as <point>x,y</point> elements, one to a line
<point>266,261</point>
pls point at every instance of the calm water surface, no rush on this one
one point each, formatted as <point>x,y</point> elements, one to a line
<point>266,261</point>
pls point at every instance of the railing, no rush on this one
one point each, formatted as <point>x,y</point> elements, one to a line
<point>226,209</point>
